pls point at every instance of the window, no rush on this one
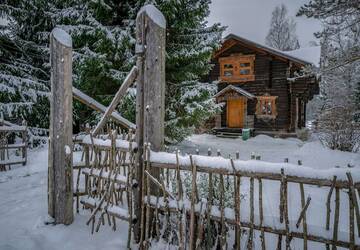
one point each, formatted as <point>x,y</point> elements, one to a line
<point>266,107</point>
<point>228,70</point>
<point>237,68</point>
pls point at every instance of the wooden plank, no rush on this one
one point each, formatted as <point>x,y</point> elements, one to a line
<point>13,128</point>
<point>12,161</point>
<point>150,99</point>
<point>163,188</point>
<point>139,193</point>
<point>336,217</point>
<point>129,80</point>
<point>193,201</point>
<point>6,123</point>
<point>302,216</point>
<point>303,204</point>
<point>11,146</point>
<point>328,203</point>
<point>60,181</point>
<point>92,103</point>
<point>354,201</point>
<point>262,175</point>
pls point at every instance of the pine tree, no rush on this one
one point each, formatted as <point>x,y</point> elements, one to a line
<point>103,41</point>
<point>189,47</point>
<point>282,33</point>
<point>102,52</point>
<point>24,77</point>
<point>102,32</point>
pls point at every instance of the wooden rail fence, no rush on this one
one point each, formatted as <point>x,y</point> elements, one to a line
<point>7,129</point>
<point>201,214</point>
<point>206,219</point>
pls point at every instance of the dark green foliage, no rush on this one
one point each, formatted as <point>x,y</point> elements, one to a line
<point>189,46</point>
<point>103,40</point>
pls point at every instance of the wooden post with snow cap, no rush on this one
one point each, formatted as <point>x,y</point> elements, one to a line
<point>150,93</point>
<point>60,188</point>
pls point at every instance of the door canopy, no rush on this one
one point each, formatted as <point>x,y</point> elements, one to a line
<point>232,93</point>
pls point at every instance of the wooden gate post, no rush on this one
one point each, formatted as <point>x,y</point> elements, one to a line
<point>150,95</point>
<point>60,181</point>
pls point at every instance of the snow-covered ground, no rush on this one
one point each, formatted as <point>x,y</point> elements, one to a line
<point>23,213</point>
<point>312,153</point>
<point>23,198</point>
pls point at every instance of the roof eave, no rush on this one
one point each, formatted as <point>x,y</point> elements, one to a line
<point>297,61</point>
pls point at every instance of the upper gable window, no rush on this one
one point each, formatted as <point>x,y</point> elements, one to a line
<point>237,68</point>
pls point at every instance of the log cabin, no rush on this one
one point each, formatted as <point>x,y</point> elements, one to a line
<point>261,88</point>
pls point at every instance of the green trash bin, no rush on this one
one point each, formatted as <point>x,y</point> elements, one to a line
<point>245,134</point>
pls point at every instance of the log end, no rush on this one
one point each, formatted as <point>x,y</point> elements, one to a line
<point>154,14</point>
<point>62,37</point>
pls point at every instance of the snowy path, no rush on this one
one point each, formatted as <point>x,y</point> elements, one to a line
<point>23,200</point>
<point>23,211</point>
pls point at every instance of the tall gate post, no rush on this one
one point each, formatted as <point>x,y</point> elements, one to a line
<point>150,95</point>
<point>60,181</point>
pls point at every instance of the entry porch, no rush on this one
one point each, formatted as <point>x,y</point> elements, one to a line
<point>234,116</point>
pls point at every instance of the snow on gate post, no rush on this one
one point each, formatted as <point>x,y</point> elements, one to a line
<point>150,95</point>
<point>60,188</point>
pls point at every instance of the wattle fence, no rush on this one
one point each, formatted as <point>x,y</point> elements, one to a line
<point>202,202</point>
<point>292,195</point>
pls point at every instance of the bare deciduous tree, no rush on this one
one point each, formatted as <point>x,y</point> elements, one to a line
<point>282,33</point>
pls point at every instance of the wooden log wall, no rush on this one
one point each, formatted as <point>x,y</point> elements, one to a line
<point>271,77</point>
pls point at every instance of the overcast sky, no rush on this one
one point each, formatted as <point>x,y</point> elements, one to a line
<point>251,18</point>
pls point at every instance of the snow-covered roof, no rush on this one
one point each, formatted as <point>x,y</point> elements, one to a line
<point>301,56</point>
<point>236,89</point>
<point>310,54</point>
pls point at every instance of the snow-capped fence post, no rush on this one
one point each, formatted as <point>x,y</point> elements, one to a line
<point>60,187</point>
<point>150,94</point>
<point>25,141</point>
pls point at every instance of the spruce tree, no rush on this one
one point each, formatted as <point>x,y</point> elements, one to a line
<point>190,43</point>
<point>103,44</point>
<point>102,52</point>
<point>24,71</point>
<point>103,41</point>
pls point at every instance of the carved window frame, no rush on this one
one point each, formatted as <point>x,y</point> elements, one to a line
<point>231,67</point>
<point>266,107</point>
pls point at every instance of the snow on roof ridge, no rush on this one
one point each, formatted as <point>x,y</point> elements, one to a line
<point>62,36</point>
<point>310,54</point>
<point>155,14</point>
<point>273,50</point>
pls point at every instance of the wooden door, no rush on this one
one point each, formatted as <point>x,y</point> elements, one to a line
<point>236,112</point>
